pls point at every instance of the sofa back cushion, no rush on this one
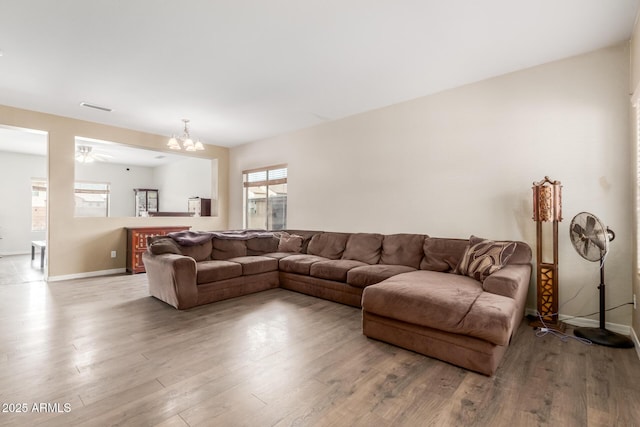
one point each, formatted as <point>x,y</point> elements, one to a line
<point>261,245</point>
<point>200,252</point>
<point>328,245</point>
<point>402,249</point>
<point>522,254</point>
<point>229,248</point>
<point>364,247</point>
<point>290,243</point>
<point>159,245</point>
<point>442,254</point>
<point>307,235</point>
<point>484,257</point>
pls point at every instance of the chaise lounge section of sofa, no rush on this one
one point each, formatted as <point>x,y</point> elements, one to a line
<point>458,300</point>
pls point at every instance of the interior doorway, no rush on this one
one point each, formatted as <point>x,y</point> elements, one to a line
<point>23,204</point>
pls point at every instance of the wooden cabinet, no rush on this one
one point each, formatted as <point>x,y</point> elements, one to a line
<point>199,206</point>
<point>137,244</point>
<point>147,201</point>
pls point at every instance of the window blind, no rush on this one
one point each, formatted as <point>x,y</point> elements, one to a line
<point>267,176</point>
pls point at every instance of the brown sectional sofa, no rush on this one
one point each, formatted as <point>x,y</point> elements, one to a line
<point>405,284</point>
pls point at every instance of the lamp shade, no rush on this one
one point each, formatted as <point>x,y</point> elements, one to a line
<point>185,140</point>
<point>547,200</point>
<point>173,143</point>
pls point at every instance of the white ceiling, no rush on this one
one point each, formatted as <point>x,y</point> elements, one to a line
<point>243,70</point>
<point>26,141</point>
<point>121,154</point>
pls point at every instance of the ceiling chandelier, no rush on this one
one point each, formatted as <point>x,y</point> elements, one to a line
<point>185,140</point>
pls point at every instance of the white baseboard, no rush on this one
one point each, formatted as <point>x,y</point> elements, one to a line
<point>589,323</point>
<point>636,341</point>
<point>85,275</point>
<point>20,253</point>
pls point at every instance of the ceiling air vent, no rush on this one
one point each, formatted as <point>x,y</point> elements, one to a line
<point>96,107</point>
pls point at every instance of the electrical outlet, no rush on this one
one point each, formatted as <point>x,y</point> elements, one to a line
<point>113,254</point>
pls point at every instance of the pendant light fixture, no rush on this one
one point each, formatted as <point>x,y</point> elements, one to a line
<point>185,140</point>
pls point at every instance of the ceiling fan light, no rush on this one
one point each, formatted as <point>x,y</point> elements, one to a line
<point>84,155</point>
<point>84,158</point>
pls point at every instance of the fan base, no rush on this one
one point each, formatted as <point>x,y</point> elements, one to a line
<point>603,337</point>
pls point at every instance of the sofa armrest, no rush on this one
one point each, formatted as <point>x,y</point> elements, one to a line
<point>509,281</point>
<point>172,279</point>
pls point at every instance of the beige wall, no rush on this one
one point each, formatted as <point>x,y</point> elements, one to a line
<point>84,245</point>
<point>462,162</point>
<point>635,90</point>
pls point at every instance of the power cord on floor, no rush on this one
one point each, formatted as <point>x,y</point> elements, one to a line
<point>545,330</point>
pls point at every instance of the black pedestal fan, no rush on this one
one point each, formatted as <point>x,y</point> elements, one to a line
<point>590,238</point>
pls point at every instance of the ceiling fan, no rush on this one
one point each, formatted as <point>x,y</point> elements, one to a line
<point>85,154</point>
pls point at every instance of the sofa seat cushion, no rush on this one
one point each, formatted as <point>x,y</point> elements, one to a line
<point>299,264</point>
<point>213,271</point>
<point>255,264</point>
<point>370,274</point>
<point>335,269</point>
<point>444,301</point>
<point>279,255</point>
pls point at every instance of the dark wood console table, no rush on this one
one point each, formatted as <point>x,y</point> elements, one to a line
<point>137,244</point>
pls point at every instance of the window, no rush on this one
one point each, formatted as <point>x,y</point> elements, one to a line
<point>265,198</point>
<point>38,204</point>
<point>92,199</point>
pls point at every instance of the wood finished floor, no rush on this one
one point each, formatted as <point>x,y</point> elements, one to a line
<point>276,358</point>
<point>20,269</point>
